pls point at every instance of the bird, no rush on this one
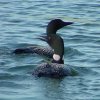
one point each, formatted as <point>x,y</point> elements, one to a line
<point>52,28</point>
<point>56,67</point>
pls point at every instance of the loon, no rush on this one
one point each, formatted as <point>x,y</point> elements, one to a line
<point>55,68</point>
<point>51,30</point>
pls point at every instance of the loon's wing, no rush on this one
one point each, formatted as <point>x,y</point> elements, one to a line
<point>45,51</point>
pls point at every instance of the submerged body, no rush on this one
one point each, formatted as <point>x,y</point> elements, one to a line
<point>54,70</point>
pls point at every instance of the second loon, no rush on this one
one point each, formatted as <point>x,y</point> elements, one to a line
<point>55,68</point>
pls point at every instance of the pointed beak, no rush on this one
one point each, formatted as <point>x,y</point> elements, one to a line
<point>67,23</point>
<point>43,38</point>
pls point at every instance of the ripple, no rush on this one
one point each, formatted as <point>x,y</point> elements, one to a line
<point>72,52</point>
<point>12,76</point>
<point>24,68</point>
<point>11,85</point>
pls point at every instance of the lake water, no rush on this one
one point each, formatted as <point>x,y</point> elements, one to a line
<point>21,21</point>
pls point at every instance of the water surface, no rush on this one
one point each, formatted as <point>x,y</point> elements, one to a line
<point>23,20</point>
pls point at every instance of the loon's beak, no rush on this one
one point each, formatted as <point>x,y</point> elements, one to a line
<point>43,38</point>
<point>67,23</point>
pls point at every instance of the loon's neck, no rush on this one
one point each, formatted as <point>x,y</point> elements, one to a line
<point>51,31</point>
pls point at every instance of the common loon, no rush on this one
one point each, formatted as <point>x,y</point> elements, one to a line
<point>51,30</point>
<point>55,68</point>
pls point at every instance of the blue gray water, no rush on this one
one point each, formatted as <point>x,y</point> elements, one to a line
<point>21,21</point>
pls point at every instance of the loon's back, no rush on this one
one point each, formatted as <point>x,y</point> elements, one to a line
<point>41,50</point>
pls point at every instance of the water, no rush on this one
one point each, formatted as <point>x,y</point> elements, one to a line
<point>23,20</point>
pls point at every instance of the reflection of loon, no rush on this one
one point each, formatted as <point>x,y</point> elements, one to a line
<point>56,67</point>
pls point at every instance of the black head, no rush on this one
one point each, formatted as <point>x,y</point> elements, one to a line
<point>55,25</point>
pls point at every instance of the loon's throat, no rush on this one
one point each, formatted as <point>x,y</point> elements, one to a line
<point>51,30</point>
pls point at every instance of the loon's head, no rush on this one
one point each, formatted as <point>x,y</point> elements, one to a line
<point>55,25</point>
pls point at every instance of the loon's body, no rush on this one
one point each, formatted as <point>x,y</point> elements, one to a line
<point>55,68</point>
